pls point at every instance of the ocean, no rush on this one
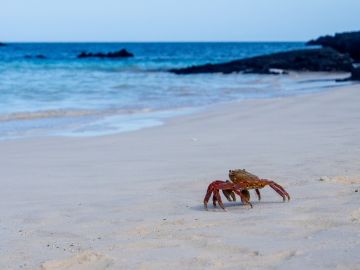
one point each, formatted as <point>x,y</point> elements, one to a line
<point>61,95</point>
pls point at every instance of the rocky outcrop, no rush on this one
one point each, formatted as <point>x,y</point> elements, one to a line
<point>118,54</point>
<point>348,42</point>
<point>323,59</point>
<point>355,74</point>
<point>2,44</point>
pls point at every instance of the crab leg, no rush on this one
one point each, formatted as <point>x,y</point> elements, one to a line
<point>218,197</point>
<point>243,201</point>
<point>229,194</point>
<point>232,194</point>
<point>214,199</point>
<point>215,185</point>
<point>279,187</point>
<point>243,198</point>
<point>208,195</point>
<point>245,194</point>
<point>279,191</point>
<point>283,190</point>
<point>258,193</point>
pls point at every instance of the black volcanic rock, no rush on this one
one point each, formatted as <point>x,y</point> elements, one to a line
<point>38,56</point>
<point>324,59</point>
<point>348,42</point>
<point>2,44</point>
<point>355,74</point>
<point>118,54</point>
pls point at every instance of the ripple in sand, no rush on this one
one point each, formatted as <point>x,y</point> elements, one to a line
<point>341,179</point>
<point>87,260</point>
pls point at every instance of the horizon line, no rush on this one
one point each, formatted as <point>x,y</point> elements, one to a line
<point>160,41</point>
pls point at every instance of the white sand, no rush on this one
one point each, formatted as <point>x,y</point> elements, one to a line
<point>134,200</point>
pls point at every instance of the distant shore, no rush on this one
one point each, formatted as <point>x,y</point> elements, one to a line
<point>338,53</point>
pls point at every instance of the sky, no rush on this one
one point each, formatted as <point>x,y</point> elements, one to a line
<point>175,20</point>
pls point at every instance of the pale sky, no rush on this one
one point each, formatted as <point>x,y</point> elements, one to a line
<point>175,20</point>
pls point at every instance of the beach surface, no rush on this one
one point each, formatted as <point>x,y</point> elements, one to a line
<point>134,200</point>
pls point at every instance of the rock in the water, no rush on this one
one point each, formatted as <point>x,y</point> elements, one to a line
<point>118,54</point>
<point>324,59</point>
<point>2,44</point>
<point>348,42</point>
<point>38,56</point>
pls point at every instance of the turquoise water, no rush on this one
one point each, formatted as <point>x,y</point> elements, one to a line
<point>63,95</point>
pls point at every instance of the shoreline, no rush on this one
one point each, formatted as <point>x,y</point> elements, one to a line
<point>134,200</point>
<point>93,122</point>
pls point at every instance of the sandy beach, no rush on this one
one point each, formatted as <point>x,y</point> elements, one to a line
<point>134,200</point>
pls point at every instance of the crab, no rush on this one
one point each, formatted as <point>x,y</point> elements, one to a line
<point>241,182</point>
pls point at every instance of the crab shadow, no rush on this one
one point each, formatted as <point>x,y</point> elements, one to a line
<point>233,205</point>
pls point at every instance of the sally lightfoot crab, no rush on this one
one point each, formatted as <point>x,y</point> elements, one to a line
<point>241,182</point>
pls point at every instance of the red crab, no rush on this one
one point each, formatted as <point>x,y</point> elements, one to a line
<point>241,182</point>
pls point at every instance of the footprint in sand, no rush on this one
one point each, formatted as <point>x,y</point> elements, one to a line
<point>87,260</point>
<point>355,216</point>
